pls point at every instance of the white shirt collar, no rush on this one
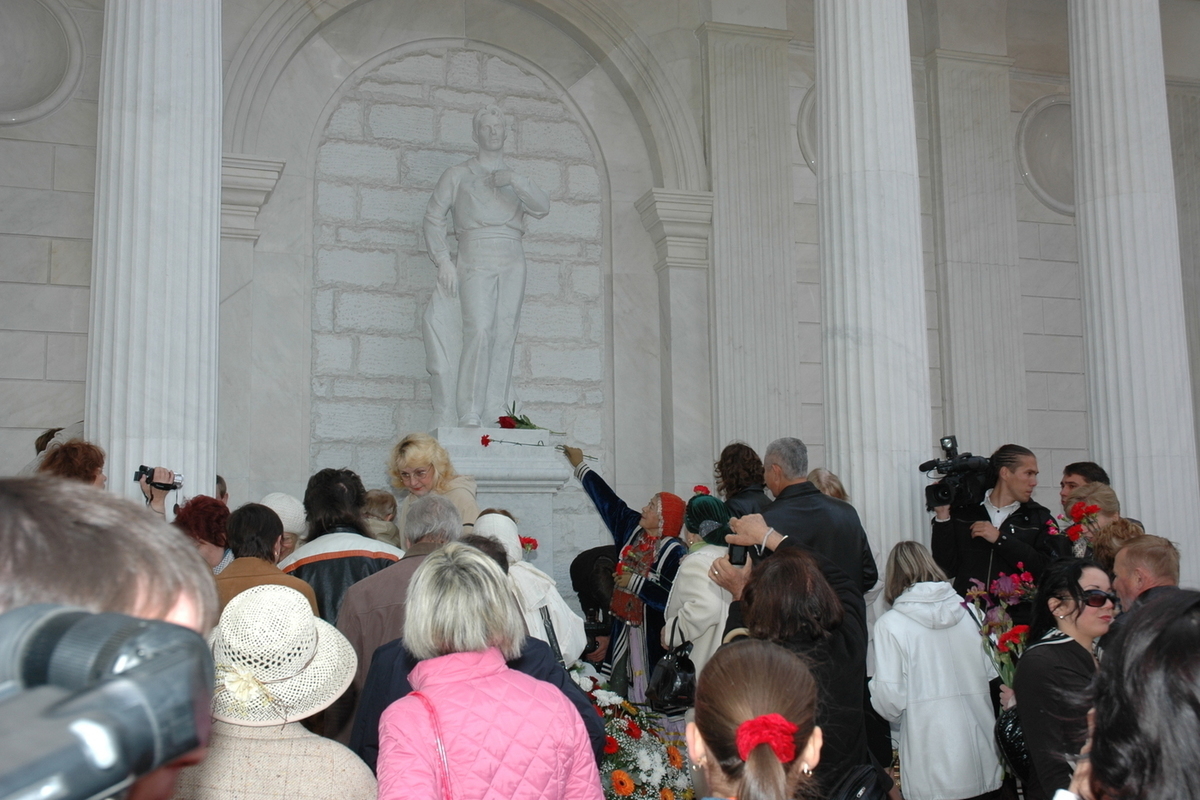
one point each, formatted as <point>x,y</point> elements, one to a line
<point>998,515</point>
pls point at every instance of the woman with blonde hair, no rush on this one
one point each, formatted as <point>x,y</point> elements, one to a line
<point>931,677</point>
<point>1109,529</point>
<point>474,727</point>
<point>420,465</point>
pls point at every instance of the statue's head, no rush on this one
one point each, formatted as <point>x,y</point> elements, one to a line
<point>488,127</point>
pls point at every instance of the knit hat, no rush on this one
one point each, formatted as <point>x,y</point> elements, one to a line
<point>705,507</point>
<point>671,508</point>
<point>276,662</point>
<point>290,511</point>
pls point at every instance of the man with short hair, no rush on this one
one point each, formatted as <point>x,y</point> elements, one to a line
<point>1079,474</point>
<point>255,536</point>
<point>222,490</point>
<point>1145,567</point>
<point>373,609</point>
<point>802,516</point>
<point>69,543</point>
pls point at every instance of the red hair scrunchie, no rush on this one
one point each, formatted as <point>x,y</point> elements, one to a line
<point>769,729</point>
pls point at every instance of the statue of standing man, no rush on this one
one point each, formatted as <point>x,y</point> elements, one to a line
<point>489,203</point>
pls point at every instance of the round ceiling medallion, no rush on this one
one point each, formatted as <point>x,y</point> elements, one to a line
<point>1046,154</point>
<point>41,58</point>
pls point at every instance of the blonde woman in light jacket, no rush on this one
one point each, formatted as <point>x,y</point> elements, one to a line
<point>931,677</point>
<point>697,608</point>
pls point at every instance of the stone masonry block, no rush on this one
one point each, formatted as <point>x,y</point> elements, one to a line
<point>422,68</point>
<point>367,162</point>
<point>528,107</point>
<point>550,249</point>
<point>379,90</point>
<point>350,421</point>
<point>335,201</point>
<point>390,357</point>
<point>424,167</point>
<point>574,364</point>
<point>463,69</point>
<point>563,138</point>
<point>498,73</point>
<point>406,123</point>
<point>367,312</point>
<point>394,204</point>
<point>568,219</point>
<point>323,310</point>
<point>585,281</point>
<point>370,268</point>
<point>332,456</point>
<point>546,174</point>
<point>25,259</point>
<point>455,128</point>
<point>587,428</point>
<point>22,355</point>
<point>373,390</point>
<point>542,279</point>
<point>552,322</point>
<point>376,236</point>
<point>66,357</point>
<point>346,122</point>
<point>548,394</point>
<point>455,97</point>
<point>332,355</point>
<point>583,182</point>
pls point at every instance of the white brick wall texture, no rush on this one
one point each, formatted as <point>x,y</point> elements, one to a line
<point>381,153</point>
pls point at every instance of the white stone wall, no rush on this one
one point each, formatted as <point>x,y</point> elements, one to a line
<point>47,178</point>
<point>386,144</point>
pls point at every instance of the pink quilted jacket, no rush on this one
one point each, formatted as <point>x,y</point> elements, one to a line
<point>507,735</point>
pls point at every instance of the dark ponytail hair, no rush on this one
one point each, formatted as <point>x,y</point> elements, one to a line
<point>1060,579</point>
<point>1007,455</point>
<point>745,680</point>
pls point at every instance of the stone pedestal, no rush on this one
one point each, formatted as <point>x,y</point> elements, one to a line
<point>877,409</point>
<point>520,478</point>
<point>151,394</point>
<point>1139,391</point>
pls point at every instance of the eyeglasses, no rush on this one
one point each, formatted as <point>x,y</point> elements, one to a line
<point>1094,598</point>
<point>419,474</point>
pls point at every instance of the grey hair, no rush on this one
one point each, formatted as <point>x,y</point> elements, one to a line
<point>790,454</point>
<point>908,563</point>
<point>490,110</point>
<point>459,601</point>
<point>432,518</point>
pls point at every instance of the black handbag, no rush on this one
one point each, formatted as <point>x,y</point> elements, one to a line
<point>672,686</point>
<point>864,782</point>
<point>1010,736</point>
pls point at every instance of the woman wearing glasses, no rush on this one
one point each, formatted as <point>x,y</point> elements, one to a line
<point>421,465</point>
<point>1073,609</point>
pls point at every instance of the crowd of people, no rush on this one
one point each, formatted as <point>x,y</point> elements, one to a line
<point>367,647</point>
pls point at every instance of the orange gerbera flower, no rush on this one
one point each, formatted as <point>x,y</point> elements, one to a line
<point>665,794</point>
<point>674,756</point>
<point>622,783</point>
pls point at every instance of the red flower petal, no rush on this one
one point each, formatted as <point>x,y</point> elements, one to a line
<point>507,422</point>
<point>485,440</point>
<point>700,489</point>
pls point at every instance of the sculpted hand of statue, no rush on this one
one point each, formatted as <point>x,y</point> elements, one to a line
<point>448,279</point>
<point>502,178</point>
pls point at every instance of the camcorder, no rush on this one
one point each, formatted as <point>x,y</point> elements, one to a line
<point>89,702</point>
<point>965,477</point>
<point>148,473</point>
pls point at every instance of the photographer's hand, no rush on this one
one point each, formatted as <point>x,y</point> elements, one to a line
<point>985,530</point>
<point>941,513</point>
<point>156,499</point>
<point>752,531</point>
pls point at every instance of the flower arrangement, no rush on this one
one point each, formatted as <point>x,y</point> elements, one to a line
<point>513,420</point>
<point>638,762</point>
<point>1002,640</point>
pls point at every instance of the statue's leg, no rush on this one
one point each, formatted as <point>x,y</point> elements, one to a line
<point>510,296</point>
<point>477,293</point>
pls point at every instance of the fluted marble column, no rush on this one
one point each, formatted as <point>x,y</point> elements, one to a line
<point>975,242</point>
<point>1139,393</point>
<point>152,358</point>
<point>756,378</point>
<point>877,406</point>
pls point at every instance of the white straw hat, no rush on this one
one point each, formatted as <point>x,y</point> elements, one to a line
<point>290,511</point>
<point>276,662</point>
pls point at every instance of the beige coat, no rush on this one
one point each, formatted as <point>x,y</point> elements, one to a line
<point>461,492</point>
<point>698,604</point>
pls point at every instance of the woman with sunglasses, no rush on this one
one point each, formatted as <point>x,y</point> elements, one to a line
<point>1073,608</point>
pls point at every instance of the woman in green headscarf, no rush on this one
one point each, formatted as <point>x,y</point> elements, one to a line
<point>698,607</point>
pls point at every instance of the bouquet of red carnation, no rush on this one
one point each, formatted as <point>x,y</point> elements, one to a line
<point>1002,640</point>
<point>1082,523</point>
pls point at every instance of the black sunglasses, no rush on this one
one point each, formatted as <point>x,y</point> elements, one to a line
<point>1094,598</point>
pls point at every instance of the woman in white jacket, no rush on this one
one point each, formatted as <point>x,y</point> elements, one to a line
<point>536,592</point>
<point>931,678</point>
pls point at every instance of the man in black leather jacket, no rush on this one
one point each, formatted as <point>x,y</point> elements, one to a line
<point>1007,532</point>
<point>802,516</point>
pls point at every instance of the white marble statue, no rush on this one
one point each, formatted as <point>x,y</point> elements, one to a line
<point>489,203</point>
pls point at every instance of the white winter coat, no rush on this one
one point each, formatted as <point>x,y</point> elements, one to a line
<point>931,677</point>
<point>698,606</point>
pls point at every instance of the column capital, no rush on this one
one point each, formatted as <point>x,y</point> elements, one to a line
<point>680,224</point>
<point>707,29</point>
<point>246,183</point>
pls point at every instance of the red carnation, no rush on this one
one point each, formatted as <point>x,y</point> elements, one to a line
<point>700,489</point>
<point>507,422</point>
<point>1078,510</point>
<point>633,730</point>
<point>610,745</point>
<point>485,440</point>
<point>1074,532</point>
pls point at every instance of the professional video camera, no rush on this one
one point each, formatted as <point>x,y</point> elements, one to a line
<point>965,478</point>
<point>89,702</point>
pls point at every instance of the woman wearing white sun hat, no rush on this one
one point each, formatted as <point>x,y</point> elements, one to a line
<point>276,664</point>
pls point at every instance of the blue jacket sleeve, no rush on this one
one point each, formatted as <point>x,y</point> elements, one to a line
<point>619,518</point>
<point>387,681</point>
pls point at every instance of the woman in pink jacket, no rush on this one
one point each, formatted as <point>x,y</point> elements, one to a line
<point>472,727</point>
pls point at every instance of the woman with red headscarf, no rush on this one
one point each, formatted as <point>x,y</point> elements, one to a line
<point>649,552</point>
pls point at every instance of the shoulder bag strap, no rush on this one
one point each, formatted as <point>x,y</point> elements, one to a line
<point>552,636</point>
<point>441,747</point>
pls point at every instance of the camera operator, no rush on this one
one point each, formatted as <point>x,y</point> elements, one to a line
<point>1007,532</point>
<point>154,484</point>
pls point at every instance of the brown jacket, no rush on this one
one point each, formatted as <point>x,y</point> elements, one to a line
<point>243,573</point>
